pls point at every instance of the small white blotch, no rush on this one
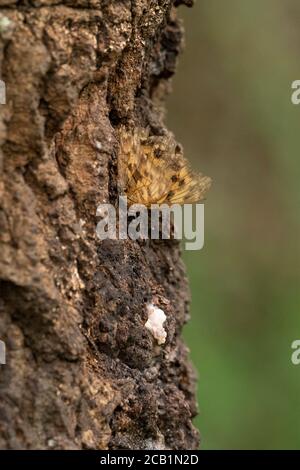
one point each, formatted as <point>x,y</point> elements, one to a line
<point>156,319</point>
<point>98,145</point>
<point>4,23</point>
<point>51,443</point>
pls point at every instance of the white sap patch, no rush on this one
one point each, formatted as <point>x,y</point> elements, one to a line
<point>98,145</point>
<point>156,319</point>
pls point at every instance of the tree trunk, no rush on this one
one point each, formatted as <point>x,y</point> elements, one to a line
<point>82,371</point>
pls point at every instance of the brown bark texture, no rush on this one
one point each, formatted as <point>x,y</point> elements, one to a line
<point>82,371</point>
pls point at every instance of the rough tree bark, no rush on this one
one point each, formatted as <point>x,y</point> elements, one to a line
<point>82,370</point>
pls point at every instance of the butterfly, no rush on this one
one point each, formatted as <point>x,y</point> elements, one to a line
<point>153,170</point>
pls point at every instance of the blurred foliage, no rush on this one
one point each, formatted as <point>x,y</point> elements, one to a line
<point>231,109</point>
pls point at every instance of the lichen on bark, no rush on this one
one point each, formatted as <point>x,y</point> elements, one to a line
<point>82,370</point>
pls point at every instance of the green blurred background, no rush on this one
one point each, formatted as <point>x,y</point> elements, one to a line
<point>231,109</point>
